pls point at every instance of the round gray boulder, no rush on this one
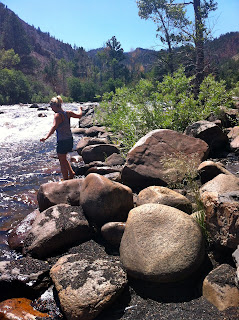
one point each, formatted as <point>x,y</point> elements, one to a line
<point>161,244</point>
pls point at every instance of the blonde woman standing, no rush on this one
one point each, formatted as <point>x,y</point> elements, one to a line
<point>61,124</point>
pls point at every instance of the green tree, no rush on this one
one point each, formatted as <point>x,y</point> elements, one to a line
<point>75,88</point>
<point>8,59</point>
<point>51,70</point>
<point>172,22</point>
<point>114,55</point>
<point>14,87</point>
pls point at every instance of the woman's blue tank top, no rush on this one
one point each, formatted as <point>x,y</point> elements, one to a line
<point>63,132</point>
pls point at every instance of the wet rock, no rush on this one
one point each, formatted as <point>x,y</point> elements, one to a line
<point>112,232</point>
<point>219,287</point>
<point>86,286</point>
<point>105,201</point>
<point>25,277</point>
<point>210,133</point>
<point>220,198</point>
<point>49,303</point>
<point>163,195</point>
<point>42,115</point>
<point>34,106</point>
<point>18,234</point>
<point>144,167</point>
<point>87,141</point>
<point>56,229</point>
<point>98,152</point>
<point>19,309</point>
<point>209,169</point>
<point>161,244</point>
<point>78,130</point>
<point>53,193</point>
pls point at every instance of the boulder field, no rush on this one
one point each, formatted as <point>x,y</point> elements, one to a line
<point>131,238</point>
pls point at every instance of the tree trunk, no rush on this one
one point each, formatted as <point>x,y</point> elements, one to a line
<point>199,45</point>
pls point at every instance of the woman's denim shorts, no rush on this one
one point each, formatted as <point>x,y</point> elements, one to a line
<point>64,146</point>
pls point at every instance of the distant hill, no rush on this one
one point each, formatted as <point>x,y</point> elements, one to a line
<point>38,49</point>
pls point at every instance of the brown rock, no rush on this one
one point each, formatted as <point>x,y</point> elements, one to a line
<point>112,232</point>
<point>19,308</point>
<point>53,193</point>
<point>219,287</point>
<point>98,152</point>
<point>210,133</point>
<point>17,235</point>
<point>87,141</point>
<point>209,169</point>
<point>162,195</point>
<point>220,199</point>
<point>143,166</point>
<point>104,200</point>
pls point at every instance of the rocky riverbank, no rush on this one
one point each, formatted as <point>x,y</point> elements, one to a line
<point>127,239</point>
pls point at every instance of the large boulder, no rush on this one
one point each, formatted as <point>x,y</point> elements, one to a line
<point>219,287</point>
<point>163,195</point>
<point>86,286</point>
<point>220,199</point>
<point>55,229</point>
<point>25,277</point>
<point>235,256</point>
<point>112,232</point>
<point>211,133</point>
<point>161,244</point>
<point>52,193</point>
<point>144,167</point>
<point>98,152</point>
<point>104,200</point>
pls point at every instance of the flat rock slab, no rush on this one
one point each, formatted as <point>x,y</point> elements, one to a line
<point>87,285</point>
<point>55,229</point>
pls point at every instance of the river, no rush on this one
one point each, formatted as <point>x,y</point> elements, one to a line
<point>25,162</point>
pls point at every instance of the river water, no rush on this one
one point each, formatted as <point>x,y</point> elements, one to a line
<point>25,162</point>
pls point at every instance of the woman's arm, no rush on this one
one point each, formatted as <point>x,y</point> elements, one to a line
<point>57,120</point>
<point>72,114</point>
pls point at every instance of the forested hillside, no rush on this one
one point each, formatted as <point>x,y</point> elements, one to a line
<point>34,65</point>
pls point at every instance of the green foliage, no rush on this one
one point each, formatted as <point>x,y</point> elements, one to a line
<point>8,59</point>
<point>75,88</point>
<point>134,111</point>
<point>14,87</point>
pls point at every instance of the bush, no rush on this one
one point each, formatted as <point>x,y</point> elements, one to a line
<point>135,111</point>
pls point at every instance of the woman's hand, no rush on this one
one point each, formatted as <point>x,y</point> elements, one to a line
<point>43,139</point>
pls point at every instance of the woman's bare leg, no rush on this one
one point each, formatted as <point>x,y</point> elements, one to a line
<point>66,168</point>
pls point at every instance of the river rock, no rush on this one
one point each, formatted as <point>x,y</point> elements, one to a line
<point>86,286</point>
<point>18,234</point>
<point>19,309</point>
<point>235,256</point>
<point>55,229</point>
<point>144,167</point>
<point>112,232</point>
<point>87,141</point>
<point>220,199</point>
<point>208,170</point>
<point>105,201</point>
<point>25,277</point>
<point>219,287</point>
<point>233,133</point>
<point>94,131</point>
<point>98,152</point>
<point>161,244</point>
<point>163,195</point>
<point>48,302</point>
<point>52,193</point>
<point>102,170</point>
<point>115,159</point>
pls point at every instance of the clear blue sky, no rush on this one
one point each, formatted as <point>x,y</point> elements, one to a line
<point>90,23</point>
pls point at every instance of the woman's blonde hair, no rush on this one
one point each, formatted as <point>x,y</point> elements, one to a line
<point>57,101</point>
